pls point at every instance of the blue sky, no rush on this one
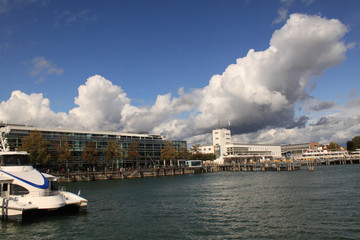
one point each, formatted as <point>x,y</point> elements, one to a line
<point>153,48</point>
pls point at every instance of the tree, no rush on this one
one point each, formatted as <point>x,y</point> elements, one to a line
<point>333,146</point>
<point>195,148</point>
<point>356,141</point>
<point>183,153</point>
<point>133,152</point>
<point>208,156</point>
<point>90,154</point>
<point>168,152</point>
<point>350,146</point>
<point>113,152</point>
<point>195,151</point>
<point>63,149</point>
<point>37,147</point>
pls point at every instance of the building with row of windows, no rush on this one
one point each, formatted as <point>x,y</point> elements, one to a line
<point>296,150</point>
<point>149,146</point>
<point>226,150</point>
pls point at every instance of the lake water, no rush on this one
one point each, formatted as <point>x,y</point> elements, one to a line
<point>320,204</point>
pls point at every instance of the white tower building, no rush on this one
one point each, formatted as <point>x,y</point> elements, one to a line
<point>224,148</point>
<point>221,137</point>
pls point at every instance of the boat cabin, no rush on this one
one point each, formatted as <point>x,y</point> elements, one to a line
<point>5,185</point>
<point>19,159</point>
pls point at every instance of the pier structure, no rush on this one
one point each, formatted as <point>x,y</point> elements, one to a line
<point>242,165</point>
<point>80,176</point>
<point>257,165</point>
<point>331,160</point>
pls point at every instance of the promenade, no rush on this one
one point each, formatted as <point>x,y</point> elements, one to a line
<point>245,166</point>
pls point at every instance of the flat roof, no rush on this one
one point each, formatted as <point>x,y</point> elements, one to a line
<point>10,127</point>
<point>252,144</point>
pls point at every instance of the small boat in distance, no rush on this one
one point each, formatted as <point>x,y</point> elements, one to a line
<point>25,192</point>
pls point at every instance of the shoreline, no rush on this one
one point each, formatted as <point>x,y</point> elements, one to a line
<point>286,165</point>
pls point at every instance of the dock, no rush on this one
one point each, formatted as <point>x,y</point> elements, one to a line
<point>339,160</point>
<point>277,165</point>
<point>254,166</point>
<point>125,174</point>
<point>244,166</point>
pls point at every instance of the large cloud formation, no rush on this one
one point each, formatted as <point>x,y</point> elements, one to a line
<point>257,94</point>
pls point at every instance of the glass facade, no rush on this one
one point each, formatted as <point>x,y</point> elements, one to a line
<point>149,146</point>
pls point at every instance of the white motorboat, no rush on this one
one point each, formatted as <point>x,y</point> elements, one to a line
<point>25,192</point>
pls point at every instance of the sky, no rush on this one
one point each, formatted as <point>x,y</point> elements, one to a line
<point>275,72</point>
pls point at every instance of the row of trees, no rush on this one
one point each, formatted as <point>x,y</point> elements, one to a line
<point>169,153</point>
<point>37,147</point>
<point>354,144</point>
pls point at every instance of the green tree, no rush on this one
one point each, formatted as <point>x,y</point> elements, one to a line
<point>90,154</point>
<point>37,147</point>
<point>113,152</point>
<point>133,152</point>
<point>168,153</point>
<point>356,141</point>
<point>333,146</point>
<point>350,146</point>
<point>209,156</point>
<point>64,153</point>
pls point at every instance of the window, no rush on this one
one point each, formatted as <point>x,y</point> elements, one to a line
<point>54,186</point>
<point>15,160</point>
<point>18,190</point>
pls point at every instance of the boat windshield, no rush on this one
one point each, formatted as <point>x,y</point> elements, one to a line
<point>15,160</point>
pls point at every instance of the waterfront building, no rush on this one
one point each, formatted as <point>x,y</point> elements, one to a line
<point>149,145</point>
<point>296,150</point>
<point>226,150</point>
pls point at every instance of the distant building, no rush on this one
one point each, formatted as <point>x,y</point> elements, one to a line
<point>149,145</point>
<point>296,150</point>
<point>226,150</point>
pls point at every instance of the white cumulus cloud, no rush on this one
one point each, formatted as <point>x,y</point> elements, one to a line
<point>31,109</point>
<point>256,94</point>
<point>99,105</point>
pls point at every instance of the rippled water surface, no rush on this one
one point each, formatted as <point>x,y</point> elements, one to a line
<point>323,204</point>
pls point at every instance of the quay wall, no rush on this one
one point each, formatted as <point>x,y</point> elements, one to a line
<point>133,173</point>
<point>275,165</point>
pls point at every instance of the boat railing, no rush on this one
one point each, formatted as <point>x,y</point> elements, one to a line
<point>42,194</point>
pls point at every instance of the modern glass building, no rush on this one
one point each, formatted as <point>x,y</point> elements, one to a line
<point>149,146</point>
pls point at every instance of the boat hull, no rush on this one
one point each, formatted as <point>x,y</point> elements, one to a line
<point>19,208</point>
<point>27,214</point>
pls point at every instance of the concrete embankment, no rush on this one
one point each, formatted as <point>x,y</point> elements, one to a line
<point>253,166</point>
<point>133,173</point>
<point>172,171</point>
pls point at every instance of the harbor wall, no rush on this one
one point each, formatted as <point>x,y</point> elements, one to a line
<point>245,166</point>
